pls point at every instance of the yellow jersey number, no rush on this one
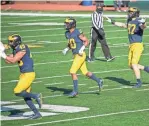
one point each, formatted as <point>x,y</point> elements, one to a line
<point>22,46</point>
<point>131,28</point>
<point>72,43</point>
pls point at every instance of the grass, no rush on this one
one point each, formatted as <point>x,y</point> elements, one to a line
<point>52,68</point>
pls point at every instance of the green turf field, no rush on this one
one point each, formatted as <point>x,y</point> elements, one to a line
<point>118,104</point>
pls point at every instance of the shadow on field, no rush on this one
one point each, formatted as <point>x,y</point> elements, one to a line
<point>66,91</point>
<point>12,112</point>
<point>119,80</point>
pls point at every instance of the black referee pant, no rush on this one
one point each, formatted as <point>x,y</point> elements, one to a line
<point>100,36</point>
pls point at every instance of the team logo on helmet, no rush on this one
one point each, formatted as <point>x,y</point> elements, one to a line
<point>133,12</point>
<point>14,40</point>
<point>70,23</point>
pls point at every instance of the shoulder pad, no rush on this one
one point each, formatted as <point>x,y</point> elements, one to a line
<point>80,31</point>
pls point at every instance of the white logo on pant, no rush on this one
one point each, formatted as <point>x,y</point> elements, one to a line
<point>17,111</point>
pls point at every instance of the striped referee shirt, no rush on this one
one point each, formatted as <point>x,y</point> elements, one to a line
<point>97,20</point>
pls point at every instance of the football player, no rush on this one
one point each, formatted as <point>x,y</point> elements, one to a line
<point>135,26</point>
<point>77,42</point>
<point>21,54</point>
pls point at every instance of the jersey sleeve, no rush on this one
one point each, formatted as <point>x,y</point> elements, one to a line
<point>66,34</point>
<point>79,32</point>
<point>21,47</point>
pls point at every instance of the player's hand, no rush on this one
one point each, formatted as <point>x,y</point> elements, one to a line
<point>142,20</point>
<point>3,55</point>
<point>109,20</point>
<point>81,50</point>
<point>2,48</point>
<point>65,51</point>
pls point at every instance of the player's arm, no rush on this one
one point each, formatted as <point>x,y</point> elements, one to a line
<point>85,43</point>
<point>143,26</point>
<point>119,24</point>
<point>18,56</point>
<point>11,55</point>
<point>84,39</point>
<point>142,23</point>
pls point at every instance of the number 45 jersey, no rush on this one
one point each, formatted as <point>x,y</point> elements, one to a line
<point>135,33</point>
<point>26,62</point>
<point>74,42</point>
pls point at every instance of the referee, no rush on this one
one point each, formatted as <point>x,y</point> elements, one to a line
<point>97,33</point>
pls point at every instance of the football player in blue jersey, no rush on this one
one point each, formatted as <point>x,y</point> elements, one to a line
<point>77,42</point>
<point>22,55</point>
<point>135,26</point>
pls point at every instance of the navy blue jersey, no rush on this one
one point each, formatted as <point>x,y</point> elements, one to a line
<point>26,63</point>
<point>135,33</point>
<point>75,43</point>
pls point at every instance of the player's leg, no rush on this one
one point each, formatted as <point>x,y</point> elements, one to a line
<point>136,50</point>
<point>24,83</point>
<point>77,62</point>
<point>145,68</point>
<point>31,105</point>
<point>92,45</point>
<point>84,70</point>
<point>23,90</point>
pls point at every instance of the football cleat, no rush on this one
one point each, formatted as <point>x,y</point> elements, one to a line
<point>39,100</point>
<point>110,59</point>
<point>73,94</point>
<point>138,85</point>
<point>36,116</point>
<point>100,84</point>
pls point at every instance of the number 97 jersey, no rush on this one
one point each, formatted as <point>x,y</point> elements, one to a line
<point>74,42</point>
<point>135,33</point>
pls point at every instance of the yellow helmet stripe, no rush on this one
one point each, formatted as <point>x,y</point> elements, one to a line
<point>68,20</point>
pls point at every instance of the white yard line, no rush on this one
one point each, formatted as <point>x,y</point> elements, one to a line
<point>67,75</point>
<point>40,19</point>
<point>85,92</point>
<point>49,29</point>
<point>59,62</point>
<point>54,83</point>
<point>53,35</point>
<point>89,117</point>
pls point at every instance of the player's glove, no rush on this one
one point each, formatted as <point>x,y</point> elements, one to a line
<point>3,55</point>
<point>110,20</point>
<point>2,48</point>
<point>65,50</point>
<point>81,50</point>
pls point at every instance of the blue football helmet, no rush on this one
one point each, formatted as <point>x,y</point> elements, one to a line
<point>133,12</point>
<point>14,40</point>
<point>70,23</point>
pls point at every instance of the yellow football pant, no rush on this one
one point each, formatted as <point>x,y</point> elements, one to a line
<point>25,81</point>
<point>79,63</point>
<point>135,51</point>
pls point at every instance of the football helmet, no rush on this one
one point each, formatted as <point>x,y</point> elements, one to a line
<point>133,12</point>
<point>14,40</point>
<point>70,23</point>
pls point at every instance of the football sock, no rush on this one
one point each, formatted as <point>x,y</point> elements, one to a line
<point>139,81</point>
<point>31,105</point>
<point>93,77</point>
<point>25,94</point>
<point>146,68</point>
<point>75,85</point>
